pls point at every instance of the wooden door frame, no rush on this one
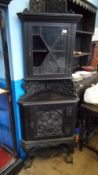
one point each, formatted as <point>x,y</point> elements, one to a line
<point>7,73</point>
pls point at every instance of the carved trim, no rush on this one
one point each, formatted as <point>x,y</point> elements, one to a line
<point>61,86</point>
<point>28,145</point>
<point>85,4</point>
<point>65,87</point>
<point>52,6</point>
<point>58,6</point>
<point>37,6</point>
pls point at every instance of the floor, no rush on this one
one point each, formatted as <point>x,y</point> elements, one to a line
<point>85,163</point>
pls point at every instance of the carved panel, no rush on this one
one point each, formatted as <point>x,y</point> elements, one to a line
<point>49,122</point>
<point>52,6</point>
<point>37,6</point>
<point>69,111</point>
<point>57,6</point>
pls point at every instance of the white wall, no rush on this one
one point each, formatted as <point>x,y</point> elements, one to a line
<point>15,38</point>
<point>95,37</point>
<point>2,67</point>
<point>95,2</point>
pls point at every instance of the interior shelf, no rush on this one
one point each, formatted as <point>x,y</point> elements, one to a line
<point>84,32</point>
<point>47,78</point>
<point>48,51</point>
<point>82,54</point>
<point>40,51</point>
<point>76,67</point>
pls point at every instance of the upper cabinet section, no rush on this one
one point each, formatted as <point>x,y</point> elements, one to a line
<point>48,44</point>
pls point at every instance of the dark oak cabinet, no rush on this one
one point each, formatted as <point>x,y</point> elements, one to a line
<point>49,107</point>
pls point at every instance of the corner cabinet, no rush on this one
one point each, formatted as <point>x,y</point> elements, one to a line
<point>49,41</point>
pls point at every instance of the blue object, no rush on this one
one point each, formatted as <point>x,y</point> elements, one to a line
<point>5,124</point>
<point>77,130</point>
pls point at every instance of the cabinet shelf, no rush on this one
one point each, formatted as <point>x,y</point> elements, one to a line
<point>48,51</point>
<point>81,32</point>
<point>76,67</point>
<point>40,51</point>
<point>82,54</point>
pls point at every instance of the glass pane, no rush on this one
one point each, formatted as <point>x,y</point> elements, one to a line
<point>38,43</point>
<point>49,50</point>
<point>47,65</point>
<point>61,60</point>
<point>50,34</point>
<point>39,58</point>
<point>61,43</point>
<point>36,30</point>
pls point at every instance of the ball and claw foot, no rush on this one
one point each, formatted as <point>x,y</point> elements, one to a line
<point>69,159</point>
<point>27,163</point>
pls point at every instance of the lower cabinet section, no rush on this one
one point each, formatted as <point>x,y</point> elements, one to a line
<point>48,124</point>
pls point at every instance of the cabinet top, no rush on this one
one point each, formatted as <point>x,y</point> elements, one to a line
<point>49,17</point>
<point>4,3</point>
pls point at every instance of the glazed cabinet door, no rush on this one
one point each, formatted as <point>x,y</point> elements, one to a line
<point>48,49</point>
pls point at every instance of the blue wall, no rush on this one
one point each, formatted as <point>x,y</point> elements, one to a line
<point>5,125</point>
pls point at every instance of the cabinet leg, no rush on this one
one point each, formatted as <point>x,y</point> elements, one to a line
<point>69,156</point>
<point>82,133</point>
<point>28,161</point>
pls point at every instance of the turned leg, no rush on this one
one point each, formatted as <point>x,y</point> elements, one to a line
<point>82,129</point>
<point>28,160</point>
<point>70,150</point>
